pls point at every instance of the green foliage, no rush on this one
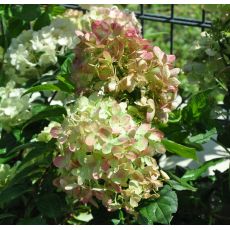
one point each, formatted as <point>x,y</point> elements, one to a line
<point>193,174</point>
<point>27,174</point>
<point>160,210</point>
<point>180,150</point>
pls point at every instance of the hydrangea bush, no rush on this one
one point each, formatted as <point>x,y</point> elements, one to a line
<point>93,137</point>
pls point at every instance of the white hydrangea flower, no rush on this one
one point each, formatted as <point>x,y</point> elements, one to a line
<point>14,108</point>
<point>32,52</point>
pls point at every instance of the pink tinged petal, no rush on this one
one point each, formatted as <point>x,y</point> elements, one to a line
<point>105,165</point>
<point>55,132</point>
<point>107,55</point>
<point>79,33</point>
<point>174,72</point>
<point>90,140</point>
<point>171,58</point>
<point>72,147</point>
<point>59,161</point>
<point>150,115</point>
<point>117,149</point>
<point>62,139</point>
<point>104,133</point>
<point>132,132</point>
<point>99,195</point>
<point>118,155</point>
<point>141,144</point>
<point>160,148</point>
<point>56,182</point>
<point>95,175</point>
<point>143,129</point>
<point>156,135</point>
<point>147,55</point>
<point>106,148</point>
<point>158,53</point>
<point>131,156</point>
<point>116,187</point>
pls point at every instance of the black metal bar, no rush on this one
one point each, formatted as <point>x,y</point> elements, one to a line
<point>178,21</point>
<point>142,20</point>
<point>171,29</point>
<point>203,19</point>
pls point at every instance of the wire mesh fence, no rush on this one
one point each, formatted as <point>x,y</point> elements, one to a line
<point>171,19</point>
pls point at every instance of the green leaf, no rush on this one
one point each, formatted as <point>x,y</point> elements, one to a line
<point>11,193</point>
<point>50,205</point>
<point>193,174</point>
<point>45,87</point>
<point>55,10</point>
<point>51,113</point>
<point>30,12</point>
<point>198,107</point>
<point>39,220</point>
<point>6,215</point>
<point>202,138</point>
<point>179,184</point>
<point>84,216</point>
<point>65,84</point>
<point>42,20</point>
<point>66,67</point>
<point>161,209</point>
<point>179,149</point>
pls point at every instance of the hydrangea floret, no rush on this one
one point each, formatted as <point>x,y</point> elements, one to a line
<point>105,156</point>
<point>14,108</point>
<point>118,61</point>
<point>32,52</point>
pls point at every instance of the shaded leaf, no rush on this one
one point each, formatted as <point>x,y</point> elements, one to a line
<point>179,149</point>
<point>193,174</point>
<point>51,113</point>
<point>50,205</point>
<point>202,138</point>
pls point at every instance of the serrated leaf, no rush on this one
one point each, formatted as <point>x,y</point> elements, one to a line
<point>198,107</point>
<point>179,149</point>
<point>160,210</point>
<point>193,174</point>
<point>202,138</point>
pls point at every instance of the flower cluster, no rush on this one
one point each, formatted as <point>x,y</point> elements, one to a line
<point>32,52</point>
<point>115,59</point>
<point>107,14</point>
<point>105,155</point>
<point>14,108</point>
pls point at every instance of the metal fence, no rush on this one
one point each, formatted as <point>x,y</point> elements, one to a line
<point>172,20</point>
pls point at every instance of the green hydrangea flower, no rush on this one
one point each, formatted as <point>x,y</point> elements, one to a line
<point>106,156</point>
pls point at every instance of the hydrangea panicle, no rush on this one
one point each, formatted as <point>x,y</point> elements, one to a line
<point>106,156</point>
<point>118,60</point>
